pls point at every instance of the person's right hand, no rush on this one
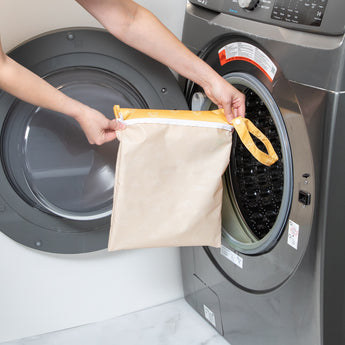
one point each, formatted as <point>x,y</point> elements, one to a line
<point>226,96</point>
<point>97,128</point>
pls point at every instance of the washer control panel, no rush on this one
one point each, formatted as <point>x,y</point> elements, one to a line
<point>320,16</point>
<point>299,12</point>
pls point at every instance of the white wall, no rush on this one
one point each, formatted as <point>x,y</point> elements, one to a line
<point>21,20</point>
<point>42,292</point>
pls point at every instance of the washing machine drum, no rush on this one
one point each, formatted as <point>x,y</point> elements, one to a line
<point>256,198</point>
<point>47,157</point>
<point>57,189</point>
<point>257,189</point>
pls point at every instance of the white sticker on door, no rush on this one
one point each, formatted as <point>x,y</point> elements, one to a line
<point>230,255</point>
<point>293,234</point>
<point>209,315</point>
<point>247,52</point>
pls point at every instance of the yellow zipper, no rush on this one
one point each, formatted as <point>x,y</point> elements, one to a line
<point>211,119</point>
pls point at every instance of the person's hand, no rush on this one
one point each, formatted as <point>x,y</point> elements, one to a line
<point>225,96</point>
<point>97,128</point>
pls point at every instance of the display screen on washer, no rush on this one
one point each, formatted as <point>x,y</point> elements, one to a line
<point>305,12</point>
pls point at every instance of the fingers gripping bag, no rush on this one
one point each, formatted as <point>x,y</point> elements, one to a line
<point>168,180</point>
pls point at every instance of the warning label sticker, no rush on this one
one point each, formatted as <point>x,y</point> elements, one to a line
<point>247,52</point>
<point>209,315</point>
<point>233,257</point>
<point>293,234</point>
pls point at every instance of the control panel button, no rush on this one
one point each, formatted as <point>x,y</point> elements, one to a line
<point>304,198</point>
<point>307,12</point>
<point>248,4</point>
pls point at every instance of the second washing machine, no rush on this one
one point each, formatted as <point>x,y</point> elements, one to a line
<point>270,281</point>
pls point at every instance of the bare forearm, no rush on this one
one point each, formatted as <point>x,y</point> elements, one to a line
<point>149,35</point>
<point>139,28</point>
<point>27,86</point>
<point>23,84</point>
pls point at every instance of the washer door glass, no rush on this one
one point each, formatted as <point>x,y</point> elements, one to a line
<point>256,198</point>
<point>47,157</point>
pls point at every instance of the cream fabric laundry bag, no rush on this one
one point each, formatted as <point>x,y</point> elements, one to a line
<point>168,180</point>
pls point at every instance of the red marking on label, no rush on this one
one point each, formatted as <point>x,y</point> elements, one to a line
<point>223,60</point>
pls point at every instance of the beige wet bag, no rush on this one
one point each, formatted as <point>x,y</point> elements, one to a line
<point>168,180</point>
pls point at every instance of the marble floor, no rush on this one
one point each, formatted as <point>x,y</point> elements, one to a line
<point>173,323</point>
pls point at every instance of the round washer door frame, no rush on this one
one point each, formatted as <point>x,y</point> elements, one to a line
<point>68,49</point>
<point>265,271</point>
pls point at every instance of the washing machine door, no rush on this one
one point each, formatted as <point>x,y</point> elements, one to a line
<point>56,189</point>
<point>267,211</point>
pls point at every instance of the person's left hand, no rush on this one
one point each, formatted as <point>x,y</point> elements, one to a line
<point>97,128</point>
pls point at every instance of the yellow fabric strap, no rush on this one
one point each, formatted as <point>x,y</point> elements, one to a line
<point>242,126</point>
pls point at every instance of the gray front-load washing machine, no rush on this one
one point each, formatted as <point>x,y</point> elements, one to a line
<point>56,189</point>
<point>278,277</point>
